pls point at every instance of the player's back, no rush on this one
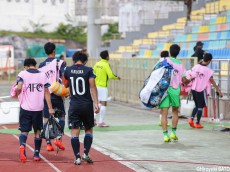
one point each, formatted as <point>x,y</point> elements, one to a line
<point>78,78</point>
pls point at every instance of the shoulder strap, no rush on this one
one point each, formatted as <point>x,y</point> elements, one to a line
<point>57,70</point>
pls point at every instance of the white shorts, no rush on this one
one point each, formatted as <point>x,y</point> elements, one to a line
<point>102,94</point>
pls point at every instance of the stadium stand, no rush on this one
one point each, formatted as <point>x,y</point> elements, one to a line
<point>211,25</point>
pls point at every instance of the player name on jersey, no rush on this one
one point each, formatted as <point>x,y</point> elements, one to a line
<point>77,71</point>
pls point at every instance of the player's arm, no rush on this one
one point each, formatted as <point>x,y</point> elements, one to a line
<point>216,86</point>
<point>110,73</point>
<point>48,100</point>
<point>19,85</point>
<point>19,88</point>
<point>93,89</point>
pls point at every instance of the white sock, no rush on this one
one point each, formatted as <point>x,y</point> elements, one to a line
<point>102,114</point>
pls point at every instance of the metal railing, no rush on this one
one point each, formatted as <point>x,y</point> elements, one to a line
<point>133,72</point>
<point>221,69</point>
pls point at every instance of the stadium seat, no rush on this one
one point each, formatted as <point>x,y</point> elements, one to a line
<point>212,28</point>
<point>213,36</point>
<point>203,29</point>
<point>224,35</point>
<point>212,21</point>
<point>141,53</point>
<point>224,69</point>
<point>228,13</point>
<point>221,20</point>
<point>195,29</point>
<point>148,53</point>
<point>155,53</point>
<point>228,19</point>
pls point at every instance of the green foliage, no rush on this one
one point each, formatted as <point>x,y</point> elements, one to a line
<point>72,32</point>
<point>112,32</point>
<point>63,31</point>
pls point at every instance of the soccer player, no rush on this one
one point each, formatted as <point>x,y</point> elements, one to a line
<point>103,73</point>
<point>173,97</point>
<point>201,85</point>
<point>81,81</point>
<point>53,70</point>
<point>32,88</point>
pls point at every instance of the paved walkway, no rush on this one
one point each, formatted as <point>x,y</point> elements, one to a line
<point>135,136</point>
<point>135,140</point>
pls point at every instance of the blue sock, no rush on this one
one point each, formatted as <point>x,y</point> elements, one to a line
<point>87,143</point>
<point>199,114</point>
<point>76,146</point>
<point>194,112</point>
<point>62,124</point>
<point>22,139</point>
<point>37,143</point>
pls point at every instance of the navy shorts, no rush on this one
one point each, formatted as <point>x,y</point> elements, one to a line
<point>199,98</point>
<point>29,119</point>
<point>79,114</point>
<point>57,103</point>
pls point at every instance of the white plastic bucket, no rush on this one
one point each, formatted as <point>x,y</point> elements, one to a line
<point>187,107</point>
<point>9,112</point>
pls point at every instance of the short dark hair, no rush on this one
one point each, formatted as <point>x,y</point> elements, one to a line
<point>49,48</point>
<point>104,54</point>
<point>61,56</point>
<point>199,43</point>
<point>174,50</point>
<point>80,56</point>
<point>30,62</point>
<point>207,57</point>
<point>164,53</point>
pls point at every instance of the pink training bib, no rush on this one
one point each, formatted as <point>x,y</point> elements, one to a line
<point>51,71</point>
<point>177,74</point>
<point>33,95</point>
<point>202,79</point>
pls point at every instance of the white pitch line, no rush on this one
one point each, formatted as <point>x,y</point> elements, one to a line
<point>42,157</point>
<point>5,97</point>
<point>116,157</point>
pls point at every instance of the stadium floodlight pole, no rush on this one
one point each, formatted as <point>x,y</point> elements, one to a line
<point>93,29</point>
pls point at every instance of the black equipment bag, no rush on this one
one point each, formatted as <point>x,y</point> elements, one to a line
<point>52,129</point>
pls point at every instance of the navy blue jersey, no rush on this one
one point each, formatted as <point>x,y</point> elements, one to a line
<point>48,60</point>
<point>78,78</point>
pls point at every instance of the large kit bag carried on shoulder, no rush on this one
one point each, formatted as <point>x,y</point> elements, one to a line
<point>52,129</point>
<point>156,85</point>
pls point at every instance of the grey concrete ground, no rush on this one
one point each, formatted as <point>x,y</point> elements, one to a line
<point>135,135</point>
<point>135,138</point>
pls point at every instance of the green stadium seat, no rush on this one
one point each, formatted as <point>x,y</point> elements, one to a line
<point>142,53</point>
<point>212,21</point>
<point>195,29</point>
<point>228,14</point>
<point>212,28</point>
<point>194,37</point>
<point>224,35</point>
<point>228,19</point>
<point>213,36</point>
<point>155,53</point>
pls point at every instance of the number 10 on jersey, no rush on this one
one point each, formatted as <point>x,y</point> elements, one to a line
<point>75,86</point>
